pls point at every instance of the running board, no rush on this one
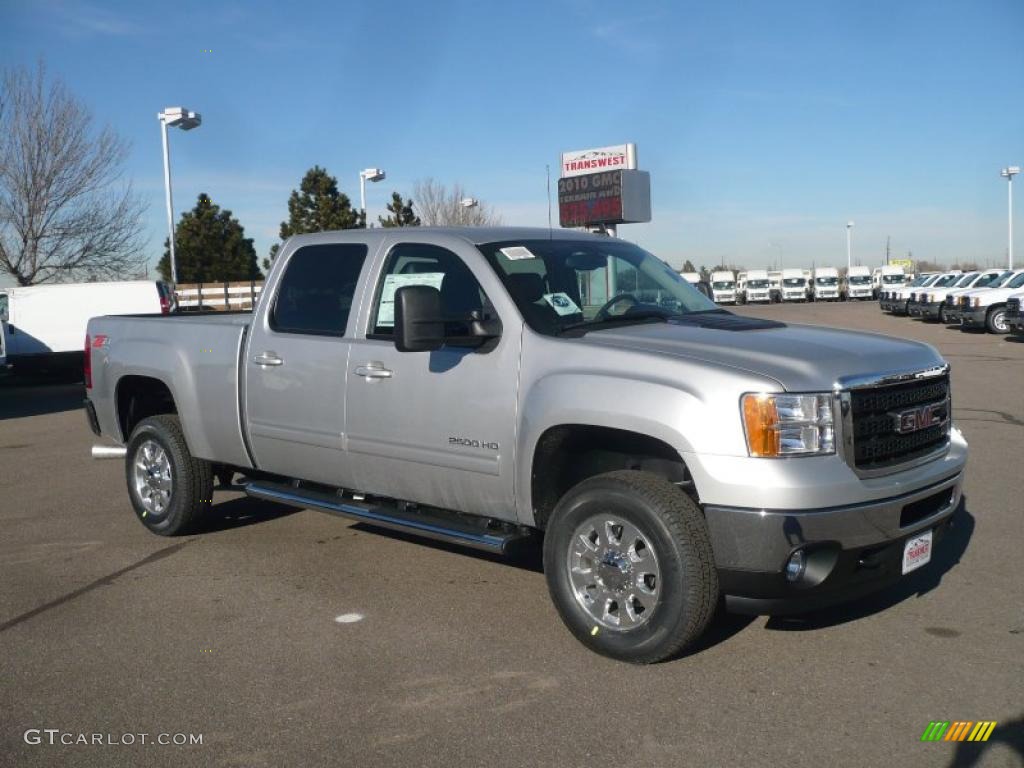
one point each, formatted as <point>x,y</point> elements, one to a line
<point>432,524</point>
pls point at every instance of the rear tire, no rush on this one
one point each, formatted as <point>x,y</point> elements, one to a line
<point>170,490</point>
<point>995,320</point>
<point>629,566</point>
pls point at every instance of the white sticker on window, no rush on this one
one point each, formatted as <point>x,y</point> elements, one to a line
<point>386,313</point>
<point>517,253</point>
<point>561,303</point>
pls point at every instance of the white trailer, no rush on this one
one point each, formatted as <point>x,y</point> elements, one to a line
<point>44,325</point>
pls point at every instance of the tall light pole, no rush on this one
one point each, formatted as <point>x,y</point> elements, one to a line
<point>849,249</point>
<point>174,117</point>
<point>1008,174</point>
<point>369,174</point>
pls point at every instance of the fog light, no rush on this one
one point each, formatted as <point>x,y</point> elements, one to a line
<point>796,565</point>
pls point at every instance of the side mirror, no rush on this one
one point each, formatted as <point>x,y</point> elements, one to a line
<point>419,324</point>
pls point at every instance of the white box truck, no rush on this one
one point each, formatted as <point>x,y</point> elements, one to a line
<point>43,326</point>
<point>723,287</point>
<point>888,278</point>
<point>857,284</point>
<point>757,288</point>
<point>794,285</point>
<point>825,286</point>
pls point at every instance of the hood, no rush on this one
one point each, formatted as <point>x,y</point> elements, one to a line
<point>802,358</point>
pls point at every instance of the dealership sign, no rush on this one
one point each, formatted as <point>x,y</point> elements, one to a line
<point>609,197</point>
<point>585,161</point>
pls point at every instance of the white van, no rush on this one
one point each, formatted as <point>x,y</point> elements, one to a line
<point>857,284</point>
<point>43,326</point>
<point>794,285</point>
<point>723,287</point>
<point>825,286</point>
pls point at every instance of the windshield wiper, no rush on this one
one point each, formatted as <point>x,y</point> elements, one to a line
<point>638,317</point>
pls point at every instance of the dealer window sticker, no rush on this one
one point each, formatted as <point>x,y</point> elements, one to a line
<point>517,253</point>
<point>392,282</point>
<point>561,303</point>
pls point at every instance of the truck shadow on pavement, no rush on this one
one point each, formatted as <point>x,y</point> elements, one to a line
<point>34,396</point>
<point>947,555</point>
<point>240,512</point>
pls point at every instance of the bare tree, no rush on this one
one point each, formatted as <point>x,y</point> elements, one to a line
<point>439,206</point>
<point>64,212</point>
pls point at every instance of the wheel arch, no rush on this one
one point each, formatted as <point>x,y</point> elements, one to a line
<point>567,454</point>
<point>137,397</point>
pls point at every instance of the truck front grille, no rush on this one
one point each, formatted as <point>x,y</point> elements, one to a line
<point>1013,307</point>
<point>896,424</point>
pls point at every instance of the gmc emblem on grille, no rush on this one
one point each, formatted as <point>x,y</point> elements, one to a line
<point>921,417</point>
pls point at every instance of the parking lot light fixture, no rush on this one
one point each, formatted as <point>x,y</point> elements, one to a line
<point>186,120</point>
<point>849,244</point>
<point>368,174</point>
<point>1008,174</point>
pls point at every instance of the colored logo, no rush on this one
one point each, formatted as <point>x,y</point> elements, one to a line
<point>958,730</point>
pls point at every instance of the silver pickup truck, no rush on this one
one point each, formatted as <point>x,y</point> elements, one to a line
<point>483,385</point>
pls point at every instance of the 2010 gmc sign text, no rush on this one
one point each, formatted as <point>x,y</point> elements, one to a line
<point>592,199</point>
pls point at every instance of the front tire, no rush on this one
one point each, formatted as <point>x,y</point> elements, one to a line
<point>995,320</point>
<point>629,566</point>
<point>170,490</point>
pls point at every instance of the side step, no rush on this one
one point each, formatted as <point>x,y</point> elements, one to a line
<point>432,525</point>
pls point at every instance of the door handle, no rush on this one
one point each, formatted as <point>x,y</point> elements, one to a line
<point>373,371</point>
<point>267,358</point>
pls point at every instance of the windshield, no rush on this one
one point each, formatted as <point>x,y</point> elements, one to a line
<point>723,285</point>
<point>891,279</point>
<point>859,279</point>
<point>992,280</point>
<point>966,280</point>
<point>947,280</point>
<point>794,282</point>
<point>1016,282</point>
<point>589,284</point>
<point>757,284</point>
<point>826,280</point>
<point>919,281</point>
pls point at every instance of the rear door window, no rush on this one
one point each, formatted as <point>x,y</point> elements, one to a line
<point>318,288</point>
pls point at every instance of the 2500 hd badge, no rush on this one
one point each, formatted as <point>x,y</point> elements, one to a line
<point>470,443</point>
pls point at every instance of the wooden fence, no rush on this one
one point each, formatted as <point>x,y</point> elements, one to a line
<point>219,296</point>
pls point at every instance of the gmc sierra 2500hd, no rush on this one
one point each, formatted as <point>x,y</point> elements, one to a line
<point>478,385</point>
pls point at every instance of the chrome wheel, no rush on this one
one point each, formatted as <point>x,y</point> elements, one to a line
<point>613,570</point>
<point>999,321</point>
<point>152,477</point>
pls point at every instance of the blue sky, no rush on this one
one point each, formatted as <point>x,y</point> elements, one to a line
<point>765,126</point>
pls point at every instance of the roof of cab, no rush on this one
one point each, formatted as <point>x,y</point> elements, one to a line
<point>474,235</point>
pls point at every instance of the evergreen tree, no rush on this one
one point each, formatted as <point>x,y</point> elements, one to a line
<point>400,213</point>
<point>688,267</point>
<point>317,206</point>
<point>210,247</point>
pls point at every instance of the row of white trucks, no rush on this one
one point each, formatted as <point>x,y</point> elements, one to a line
<point>764,286</point>
<point>987,299</point>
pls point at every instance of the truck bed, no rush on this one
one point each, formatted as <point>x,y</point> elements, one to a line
<point>190,353</point>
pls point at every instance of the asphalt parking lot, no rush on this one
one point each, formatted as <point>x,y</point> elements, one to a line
<point>452,658</point>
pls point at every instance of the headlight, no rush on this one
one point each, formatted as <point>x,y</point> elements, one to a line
<point>788,425</point>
